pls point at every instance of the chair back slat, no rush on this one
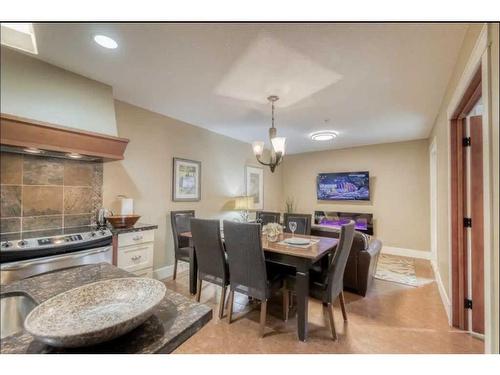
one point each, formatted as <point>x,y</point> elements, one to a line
<point>303,223</point>
<point>210,252</point>
<point>180,221</point>
<point>339,260</point>
<point>247,265</point>
<point>266,217</point>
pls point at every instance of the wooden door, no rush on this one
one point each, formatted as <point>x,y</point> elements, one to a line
<point>458,230</point>
<point>477,230</point>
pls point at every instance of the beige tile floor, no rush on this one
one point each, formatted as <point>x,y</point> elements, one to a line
<point>392,318</point>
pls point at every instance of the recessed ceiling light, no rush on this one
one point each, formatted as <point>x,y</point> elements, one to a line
<point>323,135</point>
<point>20,36</point>
<point>105,41</point>
<point>74,155</point>
<point>32,150</point>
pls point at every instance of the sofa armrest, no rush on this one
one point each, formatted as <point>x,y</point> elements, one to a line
<point>374,247</point>
<point>367,265</point>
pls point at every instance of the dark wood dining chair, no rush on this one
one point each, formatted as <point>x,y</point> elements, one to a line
<point>266,217</point>
<point>303,223</point>
<point>247,267</point>
<point>211,257</point>
<point>180,221</point>
<point>330,287</point>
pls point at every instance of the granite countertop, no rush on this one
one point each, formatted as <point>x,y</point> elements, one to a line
<point>175,320</point>
<point>138,227</point>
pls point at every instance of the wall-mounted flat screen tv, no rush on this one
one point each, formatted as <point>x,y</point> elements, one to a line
<point>345,186</point>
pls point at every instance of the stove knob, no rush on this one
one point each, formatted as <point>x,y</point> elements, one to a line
<point>102,232</point>
<point>6,244</point>
<point>22,243</point>
<point>92,234</point>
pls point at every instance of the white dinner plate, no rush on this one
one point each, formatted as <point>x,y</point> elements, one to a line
<point>297,241</point>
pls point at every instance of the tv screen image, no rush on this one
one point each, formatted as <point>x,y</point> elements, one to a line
<point>343,186</point>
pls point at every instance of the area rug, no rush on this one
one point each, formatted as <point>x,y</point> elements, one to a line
<point>397,269</point>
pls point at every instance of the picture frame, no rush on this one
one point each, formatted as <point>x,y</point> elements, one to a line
<point>254,185</point>
<point>186,180</point>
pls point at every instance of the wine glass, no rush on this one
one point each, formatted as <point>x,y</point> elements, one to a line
<point>293,227</point>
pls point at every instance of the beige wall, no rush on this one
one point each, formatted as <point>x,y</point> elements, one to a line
<point>34,89</point>
<point>399,183</point>
<point>439,132</point>
<point>146,172</point>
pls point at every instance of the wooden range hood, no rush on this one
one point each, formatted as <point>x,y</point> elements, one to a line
<point>22,132</point>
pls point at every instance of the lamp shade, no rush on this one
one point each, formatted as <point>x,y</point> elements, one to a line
<point>243,203</point>
<point>258,148</point>
<point>279,144</point>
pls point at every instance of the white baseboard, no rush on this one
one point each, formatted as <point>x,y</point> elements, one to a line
<point>410,253</point>
<point>442,290</point>
<point>168,271</point>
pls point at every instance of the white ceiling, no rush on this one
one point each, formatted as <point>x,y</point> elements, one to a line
<point>376,83</point>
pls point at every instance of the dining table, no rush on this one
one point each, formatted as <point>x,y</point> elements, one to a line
<point>301,258</point>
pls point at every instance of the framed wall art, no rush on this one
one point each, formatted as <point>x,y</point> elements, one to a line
<point>186,180</point>
<point>254,182</point>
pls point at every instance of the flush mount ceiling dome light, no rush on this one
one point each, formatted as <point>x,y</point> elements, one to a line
<point>33,150</point>
<point>105,41</point>
<point>323,135</point>
<point>73,155</point>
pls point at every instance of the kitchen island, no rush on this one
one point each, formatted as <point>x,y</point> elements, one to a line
<point>175,320</point>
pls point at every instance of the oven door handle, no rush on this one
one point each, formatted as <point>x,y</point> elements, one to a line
<point>23,264</point>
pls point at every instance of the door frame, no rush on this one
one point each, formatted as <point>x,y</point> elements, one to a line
<point>479,60</point>
<point>433,188</point>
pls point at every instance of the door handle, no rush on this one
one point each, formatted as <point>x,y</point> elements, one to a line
<point>23,264</point>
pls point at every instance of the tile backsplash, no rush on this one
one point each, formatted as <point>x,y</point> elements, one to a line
<point>43,195</point>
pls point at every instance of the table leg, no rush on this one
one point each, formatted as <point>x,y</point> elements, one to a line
<point>193,273</point>
<point>302,290</point>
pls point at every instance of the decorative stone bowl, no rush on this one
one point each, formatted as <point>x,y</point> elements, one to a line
<point>96,312</point>
<point>123,221</point>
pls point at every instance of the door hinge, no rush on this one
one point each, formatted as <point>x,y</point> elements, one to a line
<point>466,141</point>
<point>467,303</point>
<point>467,222</point>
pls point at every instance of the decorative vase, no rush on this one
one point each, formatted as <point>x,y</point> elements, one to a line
<point>272,231</point>
<point>272,237</point>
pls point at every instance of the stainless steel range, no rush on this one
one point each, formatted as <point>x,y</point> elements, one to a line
<point>25,257</point>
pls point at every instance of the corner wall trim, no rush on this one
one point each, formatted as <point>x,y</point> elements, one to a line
<point>442,291</point>
<point>472,64</point>
<point>410,253</point>
<point>168,271</point>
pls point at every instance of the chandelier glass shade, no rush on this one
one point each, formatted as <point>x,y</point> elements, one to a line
<point>277,143</point>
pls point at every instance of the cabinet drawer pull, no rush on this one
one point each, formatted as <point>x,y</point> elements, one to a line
<point>137,257</point>
<point>137,238</point>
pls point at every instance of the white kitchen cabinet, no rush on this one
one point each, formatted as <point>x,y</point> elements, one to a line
<point>135,252</point>
<point>134,238</point>
<point>148,272</point>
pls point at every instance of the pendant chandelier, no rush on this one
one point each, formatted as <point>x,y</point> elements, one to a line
<point>277,143</point>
